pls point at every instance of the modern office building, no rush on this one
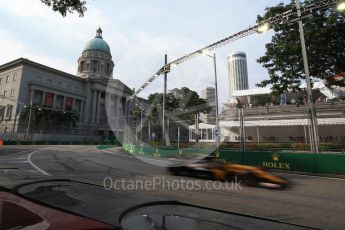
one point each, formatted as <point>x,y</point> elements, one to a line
<point>100,102</point>
<point>237,72</point>
<point>209,95</point>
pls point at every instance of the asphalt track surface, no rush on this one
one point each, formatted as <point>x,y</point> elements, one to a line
<point>314,201</point>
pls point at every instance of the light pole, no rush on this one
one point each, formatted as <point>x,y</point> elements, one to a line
<point>164,99</point>
<point>313,118</point>
<point>206,53</point>
<point>314,138</point>
<point>29,123</point>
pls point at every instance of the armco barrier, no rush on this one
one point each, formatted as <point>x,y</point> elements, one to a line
<point>289,161</point>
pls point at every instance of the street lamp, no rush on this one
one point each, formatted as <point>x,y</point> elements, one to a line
<point>313,120</point>
<point>29,123</point>
<point>263,28</point>
<point>206,53</point>
<point>341,6</point>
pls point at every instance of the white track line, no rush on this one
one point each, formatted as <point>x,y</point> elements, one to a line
<point>35,166</point>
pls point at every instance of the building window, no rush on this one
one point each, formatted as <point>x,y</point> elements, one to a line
<point>7,79</point>
<point>9,111</point>
<point>59,84</point>
<point>12,92</point>
<point>5,94</point>
<point>209,134</point>
<point>250,138</point>
<point>49,81</point>
<point>2,113</point>
<point>0,81</point>
<point>15,77</point>
<point>94,66</point>
<point>82,66</point>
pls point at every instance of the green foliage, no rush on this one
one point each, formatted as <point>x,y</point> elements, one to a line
<point>265,99</point>
<point>181,100</point>
<point>67,6</point>
<point>46,117</point>
<point>325,41</point>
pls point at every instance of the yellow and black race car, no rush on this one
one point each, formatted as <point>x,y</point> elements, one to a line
<point>214,169</point>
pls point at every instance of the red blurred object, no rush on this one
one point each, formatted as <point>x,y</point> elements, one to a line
<point>18,213</point>
<point>339,77</point>
<point>69,103</point>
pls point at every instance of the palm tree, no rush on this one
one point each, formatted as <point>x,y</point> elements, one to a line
<point>65,118</point>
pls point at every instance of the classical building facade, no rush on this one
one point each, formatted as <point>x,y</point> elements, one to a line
<point>100,103</point>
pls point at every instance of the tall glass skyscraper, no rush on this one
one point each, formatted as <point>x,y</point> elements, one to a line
<point>237,72</point>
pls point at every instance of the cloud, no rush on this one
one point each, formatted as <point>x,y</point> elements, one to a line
<point>36,32</point>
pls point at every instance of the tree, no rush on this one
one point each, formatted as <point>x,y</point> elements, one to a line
<point>43,117</point>
<point>67,6</point>
<point>182,104</point>
<point>181,101</point>
<point>325,41</point>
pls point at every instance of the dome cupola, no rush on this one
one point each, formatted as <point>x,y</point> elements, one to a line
<point>97,43</point>
<point>96,60</point>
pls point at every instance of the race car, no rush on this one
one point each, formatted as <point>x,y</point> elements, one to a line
<point>212,168</point>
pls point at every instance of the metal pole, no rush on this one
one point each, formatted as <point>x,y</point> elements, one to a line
<point>313,118</point>
<point>164,98</point>
<point>149,130</point>
<point>178,136</point>
<point>216,97</point>
<point>242,134</point>
<point>258,134</point>
<point>29,123</point>
<point>141,124</point>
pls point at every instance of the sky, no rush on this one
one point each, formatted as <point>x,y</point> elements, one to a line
<point>139,33</point>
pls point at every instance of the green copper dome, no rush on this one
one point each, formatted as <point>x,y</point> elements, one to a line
<point>98,43</point>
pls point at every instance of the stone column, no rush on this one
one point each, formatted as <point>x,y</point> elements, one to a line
<point>118,110</point>
<point>99,106</point>
<point>54,101</point>
<point>81,112</point>
<point>43,98</point>
<point>107,105</point>
<point>64,103</point>
<point>87,104</point>
<point>31,95</point>
<point>93,112</point>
